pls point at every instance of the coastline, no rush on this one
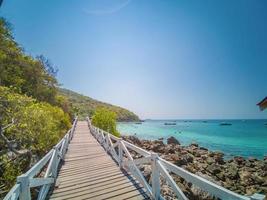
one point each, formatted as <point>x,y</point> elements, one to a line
<point>245,138</point>
<point>245,176</point>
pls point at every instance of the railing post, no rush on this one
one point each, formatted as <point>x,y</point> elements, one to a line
<point>107,142</point>
<point>155,177</point>
<point>25,193</point>
<point>257,196</point>
<point>120,152</point>
<point>55,162</point>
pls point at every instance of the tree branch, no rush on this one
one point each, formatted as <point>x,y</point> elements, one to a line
<point>10,143</point>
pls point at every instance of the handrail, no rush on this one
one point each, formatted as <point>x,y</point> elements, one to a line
<point>28,180</point>
<point>159,167</point>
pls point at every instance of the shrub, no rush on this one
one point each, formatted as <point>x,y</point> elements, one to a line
<point>38,126</point>
<point>106,120</point>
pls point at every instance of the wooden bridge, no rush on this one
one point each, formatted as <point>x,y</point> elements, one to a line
<point>89,173</point>
<point>89,163</point>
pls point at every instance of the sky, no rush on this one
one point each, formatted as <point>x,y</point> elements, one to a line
<point>162,59</point>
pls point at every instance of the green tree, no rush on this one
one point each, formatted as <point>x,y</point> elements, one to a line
<point>28,99</point>
<point>30,76</point>
<point>106,120</point>
<point>37,127</point>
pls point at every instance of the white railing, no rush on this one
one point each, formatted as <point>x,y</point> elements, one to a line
<point>50,162</point>
<point>119,150</point>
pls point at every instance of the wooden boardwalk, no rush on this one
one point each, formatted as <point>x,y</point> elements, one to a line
<point>89,172</point>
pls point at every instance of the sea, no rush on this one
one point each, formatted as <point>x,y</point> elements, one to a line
<point>247,138</point>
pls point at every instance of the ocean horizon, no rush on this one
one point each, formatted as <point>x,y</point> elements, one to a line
<point>233,137</point>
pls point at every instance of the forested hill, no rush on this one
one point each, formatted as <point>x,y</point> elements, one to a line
<point>84,105</point>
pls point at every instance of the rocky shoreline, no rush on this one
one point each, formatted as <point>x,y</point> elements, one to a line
<point>243,176</point>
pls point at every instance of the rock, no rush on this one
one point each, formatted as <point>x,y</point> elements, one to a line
<point>193,144</point>
<point>146,171</point>
<point>199,193</point>
<point>160,142</point>
<point>197,153</point>
<point>158,147</point>
<point>132,139</point>
<point>214,169</point>
<point>250,190</point>
<point>240,175</point>
<point>221,176</point>
<point>232,172</point>
<point>249,164</point>
<point>169,150</point>
<point>210,160</point>
<point>189,158</point>
<point>239,160</point>
<point>180,161</point>
<point>203,148</point>
<point>257,179</point>
<point>245,177</point>
<point>218,157</point>
<point>167,192</point>
<point>172,140</point>
<point>171,157</point>
<point>251,159</point>
<point>183,152</point>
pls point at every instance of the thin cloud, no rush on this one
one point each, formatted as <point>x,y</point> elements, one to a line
<point>108,11</point>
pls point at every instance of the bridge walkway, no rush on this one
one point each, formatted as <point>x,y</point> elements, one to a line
<point>88,172</point>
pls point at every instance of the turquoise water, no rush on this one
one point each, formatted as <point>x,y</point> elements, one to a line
<point>246,138</point>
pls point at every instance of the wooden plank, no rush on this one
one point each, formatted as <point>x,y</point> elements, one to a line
<point>78,182</point>
<point>84,170</point>
<point>89,172</point>
<point>130,195</point>
<point>97,183</point>
<point>92,188</point>
<point>86,166</point>
<point>99,193</point>
<point>88,176</point>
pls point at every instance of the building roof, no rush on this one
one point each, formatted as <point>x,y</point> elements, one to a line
<point>263,104</point>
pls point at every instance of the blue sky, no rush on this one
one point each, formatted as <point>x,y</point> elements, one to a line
<point>160,59</point>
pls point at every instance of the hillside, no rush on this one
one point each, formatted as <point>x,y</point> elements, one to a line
<point>85,105</point>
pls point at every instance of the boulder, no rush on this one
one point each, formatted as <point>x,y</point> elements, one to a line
<point>245,177</point>
<point>169,150</point>
<point>189,158</point>
<point>232,172</point>
<point>146,171</point>
<point>203,148</point>
<point>218,157</point>
<point>132,139</point>
<point>157,146</point>
<point>221,176</point>
<point>193,144</point>
<point>214,169</point>
<point>172,140</point>
<point>180,161</point>
<point>239,160</point>
<point>210,160</point>
<point>257,179</point>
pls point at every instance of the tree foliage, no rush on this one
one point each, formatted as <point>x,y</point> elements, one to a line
<point>105,119</point>
<point>29,99</point>
<point>38,126</point>
<point>33,77</point>
<point>83,105</point>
